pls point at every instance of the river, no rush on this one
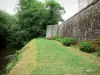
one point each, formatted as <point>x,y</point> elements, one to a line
<point>3,60</point>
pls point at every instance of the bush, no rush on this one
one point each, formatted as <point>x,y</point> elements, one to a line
<point>99,54</point>
<point>59,39</point>
<point>86,47</point>
<point>67,41</point>
<point>55,37</point>
<point>96,44</point>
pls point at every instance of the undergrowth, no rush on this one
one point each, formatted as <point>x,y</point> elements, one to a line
<point>13,61</point>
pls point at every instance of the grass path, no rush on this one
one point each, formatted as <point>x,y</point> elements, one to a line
<point>47,57</point>
<point>27,61</point>
<point>54,59</point>
<point>88,56</point>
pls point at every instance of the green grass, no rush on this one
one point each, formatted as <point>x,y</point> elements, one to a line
<point>53,59</point>
<point>49,57</point>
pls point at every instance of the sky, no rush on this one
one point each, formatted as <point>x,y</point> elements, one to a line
<point>71,6</point>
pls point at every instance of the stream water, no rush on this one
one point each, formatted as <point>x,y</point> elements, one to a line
<point>3,58</point>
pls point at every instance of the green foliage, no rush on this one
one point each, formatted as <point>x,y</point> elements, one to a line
<point>99,53</point>
<point>67,41</point>
<point>96,44</point>
<point>55,37</point>
<point>86,47</point>
<point>30,22</point>
<point>4,25</point>
<point>54,12</point>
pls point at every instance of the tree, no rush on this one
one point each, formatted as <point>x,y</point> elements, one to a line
<point>54,12</point>
<point>3,28</point>
<point>33,18</point>
<point>30,22</point>
<point>35,13</point>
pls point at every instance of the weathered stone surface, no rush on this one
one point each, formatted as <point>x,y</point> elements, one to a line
<point>52,30</point>
<point>85,25</point>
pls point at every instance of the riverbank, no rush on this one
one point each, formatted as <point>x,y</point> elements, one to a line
<point>5,55</point>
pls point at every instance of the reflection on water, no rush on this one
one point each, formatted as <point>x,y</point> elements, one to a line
<point>3,54</point>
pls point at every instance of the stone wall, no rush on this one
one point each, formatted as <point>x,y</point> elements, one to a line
<point>52,30</point>
<point>85,25</point>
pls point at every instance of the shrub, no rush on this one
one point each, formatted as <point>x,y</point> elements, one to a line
<point>67,41</point>
<point>55,37</point>
<point>59,39</point>
<point>99,54</point>
<point>86,47</point>
<point>96,44</point>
